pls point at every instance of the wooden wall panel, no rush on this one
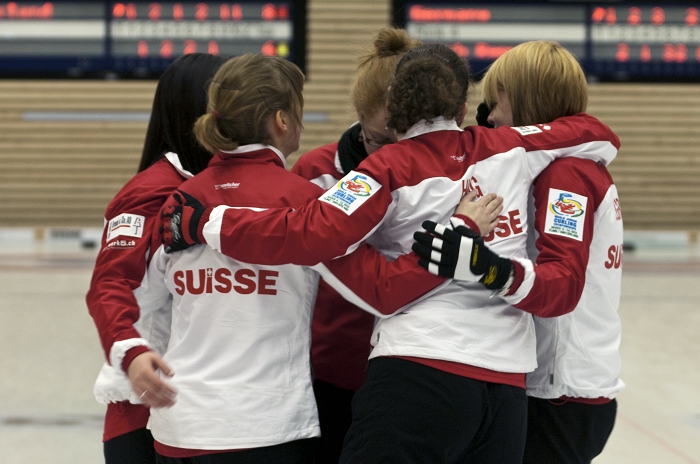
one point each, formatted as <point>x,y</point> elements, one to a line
<point>337,34</point>
<point>63,173</point>
<point>657,171</point>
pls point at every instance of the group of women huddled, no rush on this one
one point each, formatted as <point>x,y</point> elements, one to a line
<point>423,290</point>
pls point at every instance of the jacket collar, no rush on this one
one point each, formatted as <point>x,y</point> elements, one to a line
<point>435,124</point>
<point>254,151</point>
<point>175,161</point>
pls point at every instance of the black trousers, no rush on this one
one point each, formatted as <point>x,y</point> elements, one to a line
<point>131,448</point>
<point>293,452</point>
<point>568,433</point>
<point>410,413</point>
<point>334,414</point>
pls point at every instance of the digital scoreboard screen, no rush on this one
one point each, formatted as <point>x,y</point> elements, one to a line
<point>52,36</point>
<point>156,32</point>
<point>482,32</point>
<point>645,39</point>
<point>613,41</point>
<point>142,38</point>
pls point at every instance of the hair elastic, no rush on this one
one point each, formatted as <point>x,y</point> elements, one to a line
<point>215,113</point>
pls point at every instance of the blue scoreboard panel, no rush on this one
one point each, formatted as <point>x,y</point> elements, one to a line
<point>141,39</point>
<point>613,40</point>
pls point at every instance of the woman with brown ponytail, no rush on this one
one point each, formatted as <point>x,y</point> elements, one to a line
<point>237,373</point>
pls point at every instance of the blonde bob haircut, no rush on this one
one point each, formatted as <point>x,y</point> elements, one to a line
<point>376,68</point>
<point>543,82</point>
<point>245,93</point>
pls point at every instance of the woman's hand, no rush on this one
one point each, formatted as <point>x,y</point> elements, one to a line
<point>148,384</point>
<point>483,212</point>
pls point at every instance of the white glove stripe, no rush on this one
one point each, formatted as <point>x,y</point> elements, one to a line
<point>463,269</point>
<point>440,229</point>
<point>437,243</point>
<point>435,256</point>
<point>433,268</point>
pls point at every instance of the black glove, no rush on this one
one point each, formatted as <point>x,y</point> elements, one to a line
<point>181,221</point>
<point>460,254</point>
<point>482,113</point>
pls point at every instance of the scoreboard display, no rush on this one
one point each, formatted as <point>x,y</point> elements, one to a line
<point>613,41</point>
<point>36,37</point>
<point>483,32</point>
<point>650,40</point>
<point>141,38</point>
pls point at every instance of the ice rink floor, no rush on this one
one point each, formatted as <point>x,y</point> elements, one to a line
<point>50,354</point>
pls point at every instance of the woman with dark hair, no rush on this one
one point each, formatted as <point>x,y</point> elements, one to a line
<point>340,331</point>
<point>179,100</point>
<point>170,156</point>
<point>446,378</point>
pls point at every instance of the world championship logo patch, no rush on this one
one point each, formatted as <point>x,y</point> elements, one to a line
<point>351,192</point>
<point>566,214</point>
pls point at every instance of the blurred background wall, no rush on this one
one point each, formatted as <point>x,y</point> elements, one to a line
<point>64,154</point>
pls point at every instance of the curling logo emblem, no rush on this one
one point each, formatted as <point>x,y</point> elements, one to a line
<point>566,214</point>
<point>351,191</point>
<point>356,186</point>
<point>566,206</point>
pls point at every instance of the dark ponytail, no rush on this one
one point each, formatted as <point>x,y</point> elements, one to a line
<point>180,98</point>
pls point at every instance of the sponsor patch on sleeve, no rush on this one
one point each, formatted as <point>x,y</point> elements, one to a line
<point>566,214</point>
<point>126,225</point>
<point>351,191</point>
<point>527,130</point>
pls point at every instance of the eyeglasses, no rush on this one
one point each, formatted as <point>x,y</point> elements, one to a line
<point>373,142</point>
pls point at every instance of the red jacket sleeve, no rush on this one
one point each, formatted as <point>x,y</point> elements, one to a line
<point>560,267</point>
<point>318,165</point>
<point>368,280</point>
<point>317,232</point>
<point>123,258</point>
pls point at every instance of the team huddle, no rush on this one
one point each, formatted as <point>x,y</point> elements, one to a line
<point>424,290</point>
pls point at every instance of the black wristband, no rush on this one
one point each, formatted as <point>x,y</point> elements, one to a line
<point>194,223</point>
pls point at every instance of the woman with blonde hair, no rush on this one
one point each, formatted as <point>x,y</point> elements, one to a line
<point>550,83</point>
<point>571,394</point>
<point>571,284</point>
<point>340,331</point>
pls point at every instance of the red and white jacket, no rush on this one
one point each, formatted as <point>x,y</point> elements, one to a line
<point>389,195</point>
<point>340,331</point>
<point>119,270</point>
<point>577,222</point>
<point>241,332</point>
